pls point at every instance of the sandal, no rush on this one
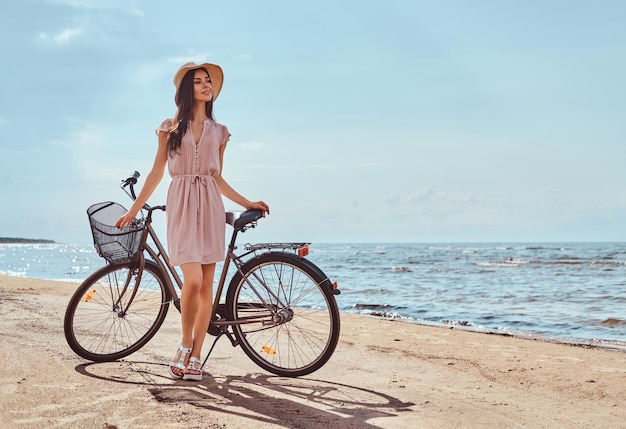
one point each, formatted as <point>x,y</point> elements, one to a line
<point>179,362</point>
<point>196,367</point>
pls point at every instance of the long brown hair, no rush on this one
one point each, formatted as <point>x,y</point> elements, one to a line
<point>185,101</point>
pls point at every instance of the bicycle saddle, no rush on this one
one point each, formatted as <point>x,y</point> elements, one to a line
<point>240,219</point>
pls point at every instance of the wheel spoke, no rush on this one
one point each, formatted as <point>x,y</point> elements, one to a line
<point>305,327</point>
<point>106,320</point>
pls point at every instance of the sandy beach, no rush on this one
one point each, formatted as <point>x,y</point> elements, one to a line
<point>384,374</point>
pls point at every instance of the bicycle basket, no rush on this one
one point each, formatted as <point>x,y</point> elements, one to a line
<point>112,243</point>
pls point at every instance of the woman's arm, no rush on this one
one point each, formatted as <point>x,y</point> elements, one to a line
<point>233,195</point>
<point>152,181</point>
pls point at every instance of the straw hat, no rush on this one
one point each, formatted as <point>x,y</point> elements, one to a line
<point>214,71</point>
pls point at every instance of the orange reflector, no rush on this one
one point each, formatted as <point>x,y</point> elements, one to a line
<point>335,285</point>
<point>269,350</point>
<point>303,251</point>
<point>90,295</point>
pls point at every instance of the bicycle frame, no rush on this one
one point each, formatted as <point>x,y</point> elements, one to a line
<point>268,314</point>
<point>269,300</point>
<point>161,258</point>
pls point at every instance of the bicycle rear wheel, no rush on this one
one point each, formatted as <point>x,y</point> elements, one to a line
<point>115,311</point>
<point>286,317</point>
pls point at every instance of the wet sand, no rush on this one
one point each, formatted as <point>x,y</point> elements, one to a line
<point>384,374</point>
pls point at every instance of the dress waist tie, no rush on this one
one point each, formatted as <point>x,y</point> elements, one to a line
<point>195,178</point>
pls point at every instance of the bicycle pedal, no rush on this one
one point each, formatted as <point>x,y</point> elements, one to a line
<point>213,330</point>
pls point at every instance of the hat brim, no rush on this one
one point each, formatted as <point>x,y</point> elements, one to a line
<point>214,71</point>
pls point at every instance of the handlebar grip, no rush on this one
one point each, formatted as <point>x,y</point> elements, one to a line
<point>133,178</point>
<point>130,180</point>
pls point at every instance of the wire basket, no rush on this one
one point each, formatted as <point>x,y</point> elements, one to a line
<point>112,243</point>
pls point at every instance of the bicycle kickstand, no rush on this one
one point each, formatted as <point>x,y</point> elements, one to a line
<point>222,331</point>
<point>217,337</point>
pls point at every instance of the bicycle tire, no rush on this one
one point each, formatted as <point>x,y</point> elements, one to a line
<point>305,339</point>
<point>96,326</point>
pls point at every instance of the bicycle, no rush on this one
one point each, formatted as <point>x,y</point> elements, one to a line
<point>279,307</point>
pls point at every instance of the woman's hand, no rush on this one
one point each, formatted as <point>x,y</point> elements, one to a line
<point>258,205</point>
<point>125,220</point>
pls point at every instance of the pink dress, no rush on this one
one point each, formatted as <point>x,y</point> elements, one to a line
<point>196,221</point>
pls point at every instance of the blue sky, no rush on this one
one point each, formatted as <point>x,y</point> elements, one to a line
<point>366,121</point>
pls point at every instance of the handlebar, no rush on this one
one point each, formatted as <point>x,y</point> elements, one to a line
<point>132,178</point>
<point>130,182</point>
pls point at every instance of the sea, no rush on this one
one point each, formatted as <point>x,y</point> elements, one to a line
<point>566,292</point>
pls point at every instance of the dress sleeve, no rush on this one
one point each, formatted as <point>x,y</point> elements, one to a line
<point>166,125</point>
<point>225,135</point>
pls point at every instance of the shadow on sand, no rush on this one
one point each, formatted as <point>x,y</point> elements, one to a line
<point>309,402</point>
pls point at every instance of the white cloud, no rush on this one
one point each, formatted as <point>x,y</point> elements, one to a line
<point>63,37</point>
<point>429,197</point>
<point>425,194</point>
<point>439,204</point>
<point>123,5</point>
<point>196,57</point>
<point>137,12</point>
<point>67,34</point>
<point>91,11</point>
<point>392,199</point>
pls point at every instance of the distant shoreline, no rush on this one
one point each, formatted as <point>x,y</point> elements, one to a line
<point>15,240</point>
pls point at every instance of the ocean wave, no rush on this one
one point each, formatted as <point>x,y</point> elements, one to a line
<point>551,289</point>
<point>463,323</point>
<point>385,311</point>
<point>614,323</point>
<point>13,273</point>
<point>507,263</point>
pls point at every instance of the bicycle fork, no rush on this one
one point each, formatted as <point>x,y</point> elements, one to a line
<point>136,274</point>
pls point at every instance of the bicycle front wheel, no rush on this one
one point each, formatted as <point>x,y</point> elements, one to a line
<point>285,316</point>
<point>116,311</point>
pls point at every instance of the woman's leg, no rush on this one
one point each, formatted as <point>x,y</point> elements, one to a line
<point>205,305</point>
<point>196,302</point>
<point>189,305</point>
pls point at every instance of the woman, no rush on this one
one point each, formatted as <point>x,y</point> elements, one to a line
<point>192,145</point>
